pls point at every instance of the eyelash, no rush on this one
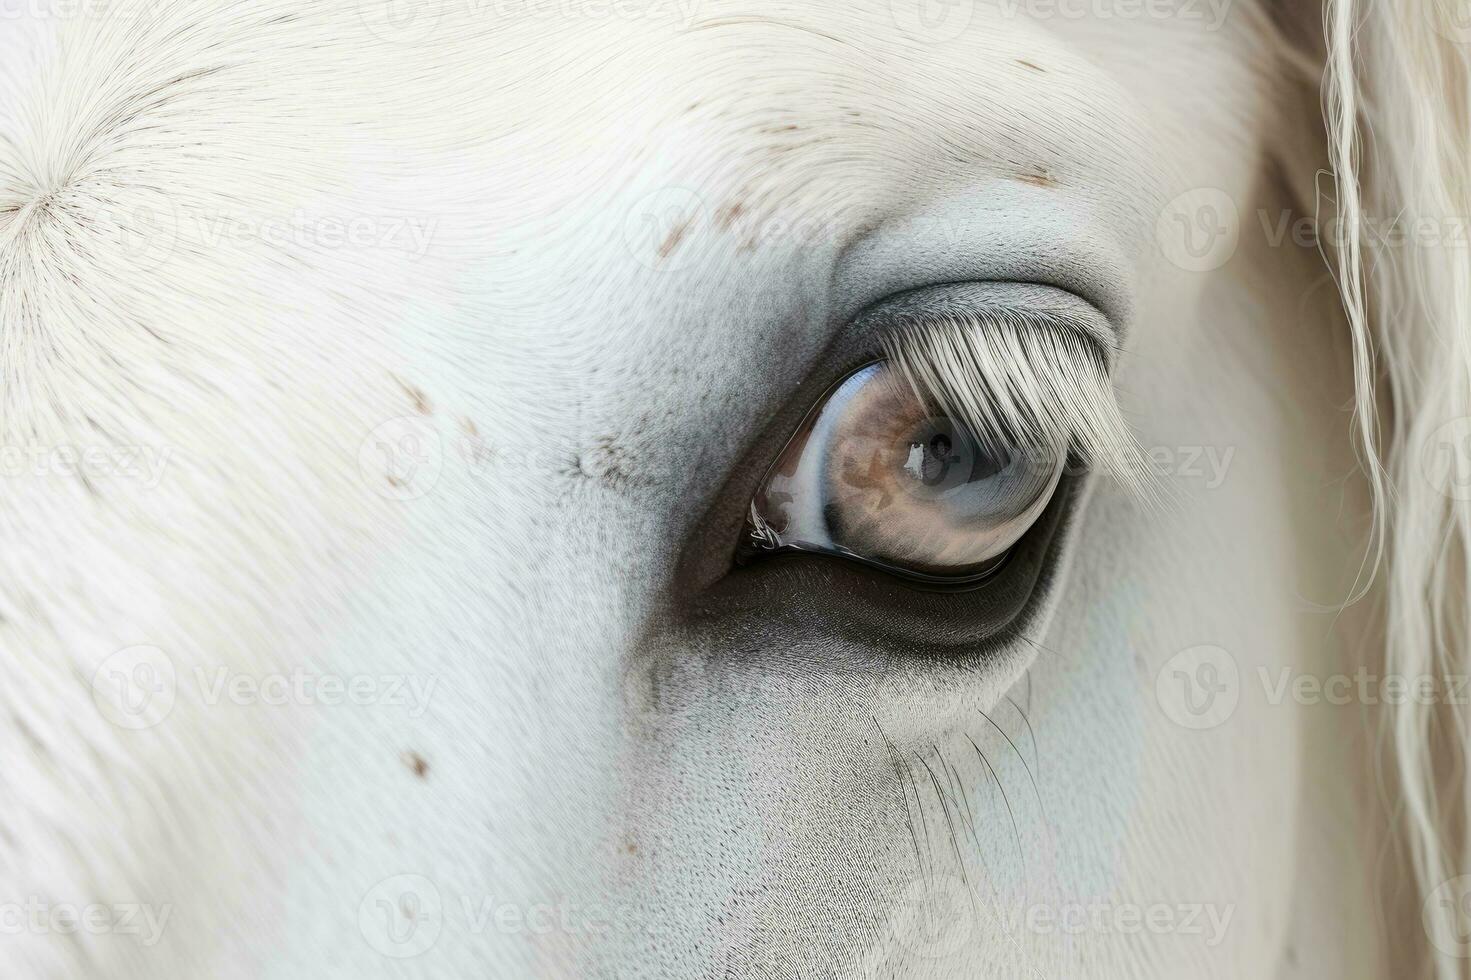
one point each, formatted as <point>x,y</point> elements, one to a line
<point>1022,377</point>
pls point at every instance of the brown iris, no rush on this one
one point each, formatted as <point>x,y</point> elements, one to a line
<point>876,474</point>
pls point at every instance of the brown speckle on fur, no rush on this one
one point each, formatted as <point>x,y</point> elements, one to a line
<point>422,405</point>
<point>1040,178</point>
<point>416,764</point>
<point>727,215</point>
<point>672,242</point>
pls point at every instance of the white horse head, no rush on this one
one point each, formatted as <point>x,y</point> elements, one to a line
<point>688,488</point>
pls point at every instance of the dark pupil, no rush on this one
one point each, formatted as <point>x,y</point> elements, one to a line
<point>937,460</point>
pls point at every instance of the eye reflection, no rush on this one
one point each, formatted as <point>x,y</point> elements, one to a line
<point>875,475</point>
<point>932,458</point>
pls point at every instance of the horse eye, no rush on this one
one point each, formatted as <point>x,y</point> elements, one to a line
<point>875,475</point>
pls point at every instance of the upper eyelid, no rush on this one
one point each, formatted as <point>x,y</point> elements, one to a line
<point>996,231</point>
<point>1037,304</point>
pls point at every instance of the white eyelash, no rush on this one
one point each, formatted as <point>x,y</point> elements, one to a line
<point>1023,379</point>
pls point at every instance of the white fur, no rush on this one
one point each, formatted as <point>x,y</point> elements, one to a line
<point>580,379</point>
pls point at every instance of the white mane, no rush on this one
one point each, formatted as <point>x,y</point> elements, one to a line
<point>1397,96</point>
